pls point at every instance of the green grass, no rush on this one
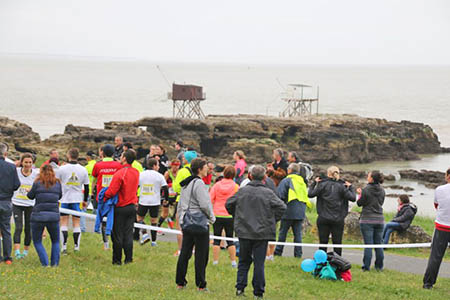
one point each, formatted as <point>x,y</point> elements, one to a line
<point>90,275</point>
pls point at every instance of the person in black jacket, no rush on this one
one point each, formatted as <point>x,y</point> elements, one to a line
<point>403,218</point>
<point>9,182</point>
<point>333,196</point>
<point>47,191</point>
<point>255,209</point>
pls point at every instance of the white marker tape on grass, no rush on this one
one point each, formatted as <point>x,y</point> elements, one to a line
<point>173,231</point>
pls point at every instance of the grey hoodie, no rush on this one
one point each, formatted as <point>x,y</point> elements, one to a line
<point>197,193</point>
<point>372,199</point>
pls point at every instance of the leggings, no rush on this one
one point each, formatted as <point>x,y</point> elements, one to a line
<point>20,213</point>
<point>223,224</point>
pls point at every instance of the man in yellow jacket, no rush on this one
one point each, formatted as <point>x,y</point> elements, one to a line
<point>294,192</point>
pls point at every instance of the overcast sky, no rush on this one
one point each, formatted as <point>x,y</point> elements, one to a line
<point>244,31</point>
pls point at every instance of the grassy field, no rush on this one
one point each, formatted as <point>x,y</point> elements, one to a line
<point>90,275</point>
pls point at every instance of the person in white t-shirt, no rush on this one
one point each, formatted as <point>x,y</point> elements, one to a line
<point>151,183</point>
<point>22,206</point>
<point>74,178</point>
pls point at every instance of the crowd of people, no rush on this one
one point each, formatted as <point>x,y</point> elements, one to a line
<point>191,193</point>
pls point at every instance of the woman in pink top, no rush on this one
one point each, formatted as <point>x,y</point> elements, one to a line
<point>240,166</point>
<point>219,195</point>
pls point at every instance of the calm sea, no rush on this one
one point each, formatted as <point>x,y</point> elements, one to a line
<point>49,93</point>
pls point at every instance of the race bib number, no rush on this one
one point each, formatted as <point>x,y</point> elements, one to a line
<point>23,191</point>
<point>172,193</point>
<point>148,190</point>
<point>106,180</point>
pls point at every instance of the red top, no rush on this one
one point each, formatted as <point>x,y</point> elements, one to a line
<point>104,171</point>
<point>125,182</point>
<point>207,179</point>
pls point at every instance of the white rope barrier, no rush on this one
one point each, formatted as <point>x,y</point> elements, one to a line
<point>174,231</point>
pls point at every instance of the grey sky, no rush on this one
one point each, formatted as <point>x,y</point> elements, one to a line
<point>293,32</point>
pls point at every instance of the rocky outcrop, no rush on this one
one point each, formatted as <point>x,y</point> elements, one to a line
<point>318,139</point>
<point>414,234</point>
<point>431,179</point>
<point>19,136</point>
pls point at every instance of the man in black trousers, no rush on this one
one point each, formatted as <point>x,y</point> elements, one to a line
<point>441,237</point>
<point>255,209</point>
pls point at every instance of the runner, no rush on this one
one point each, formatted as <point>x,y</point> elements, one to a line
<point>170,176</point>
<point>103,173</point>
<point>22,206</point>
<point>151,183</point>
<point>73,177</point>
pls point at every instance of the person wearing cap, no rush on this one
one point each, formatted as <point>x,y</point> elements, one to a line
<point>182,174</point>
<point>90,158</point>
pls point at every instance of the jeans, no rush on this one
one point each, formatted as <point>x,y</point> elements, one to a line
<point>441,240</point>
<point>372,235</point>
<point>22,214</point>
<point>37,228</point>
<point>388,228</point>
<point>336,228</point>
<point>296,229</point>
<point>252,251</point>
<point>122,233</point>
<point>201,243</point>
<point>5,228</point>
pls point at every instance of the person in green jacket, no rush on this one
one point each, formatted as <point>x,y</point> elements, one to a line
<point>182,174</point>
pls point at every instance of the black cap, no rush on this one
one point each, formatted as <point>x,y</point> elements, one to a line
<point>90,153</point>
<point>108,150</point>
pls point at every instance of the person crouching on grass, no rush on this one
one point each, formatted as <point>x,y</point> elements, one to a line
<point>124,183</point>
<point>255,209</point>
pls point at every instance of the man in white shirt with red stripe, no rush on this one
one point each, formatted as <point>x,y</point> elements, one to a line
<point>441,237</point>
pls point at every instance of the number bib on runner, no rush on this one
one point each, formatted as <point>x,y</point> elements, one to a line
<point>147,190</point>
<point>23,191</point>
<point>106,180</point>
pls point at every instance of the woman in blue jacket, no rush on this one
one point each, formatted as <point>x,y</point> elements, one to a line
<point>47,192</point>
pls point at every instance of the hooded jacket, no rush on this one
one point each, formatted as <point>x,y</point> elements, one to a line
<point>255,209</point>
<point>105,209</point>
<point>9,180</point>
<point>332,198</point>
<point>194,195</point>
<point>219,193</point>
<point>405,215</point>
<point>295,209</point>
<point>371,200</point>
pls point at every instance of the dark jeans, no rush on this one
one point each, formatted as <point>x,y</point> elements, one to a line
<point>252,251</point>
<point>440,242</point>
<point>122,233</point>
<point>5,228</point>
<point>388,228</point>
<point>37,228</point>
<point>336,228</point>
<point>21,214</point>
<point>372,235</point>
<point>296,229</point>
<point>201,243</point>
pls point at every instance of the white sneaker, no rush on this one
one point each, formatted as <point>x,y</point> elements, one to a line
<point>76,248</point>
<point>145,239</point>
<point>154,244</point>
<point>270,258</point>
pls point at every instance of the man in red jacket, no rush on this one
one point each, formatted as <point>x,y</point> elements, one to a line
<point>125,184</point>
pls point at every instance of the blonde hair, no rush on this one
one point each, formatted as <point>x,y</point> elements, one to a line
<point>333,172</point>
<point>240,154</point>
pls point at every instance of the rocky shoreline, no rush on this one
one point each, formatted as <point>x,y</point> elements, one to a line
<point>338,139</point>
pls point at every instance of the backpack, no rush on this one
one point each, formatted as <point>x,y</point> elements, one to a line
<point>337,261</point>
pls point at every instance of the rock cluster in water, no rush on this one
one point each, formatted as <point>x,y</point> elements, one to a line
<point>339,139</point>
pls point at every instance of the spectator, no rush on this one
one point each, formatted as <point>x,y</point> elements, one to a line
<point>441,237</point>
<point>118,147</point>
<point>405,215</point>
<point>371,222</point>
<point>53,155</point>
<point>219,194</point>
<point>124,183</point>
<point>179,146</point>
<point>240,166</point>
<point>294,192</point>
<point>47,191</point>
<point>255,209</point>
<point>333,196</point>
<point>195,198</point>
<point>209,176</point>
<point>277,170</point>
<point>8,184</point>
